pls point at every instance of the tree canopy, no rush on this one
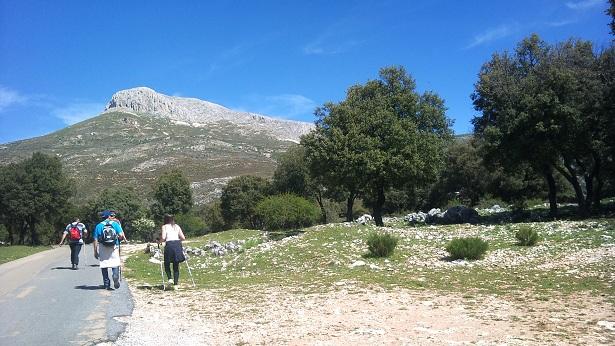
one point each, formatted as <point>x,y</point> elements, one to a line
<point>383,134</point>
<point>172,194</point>
<point>542,105</point>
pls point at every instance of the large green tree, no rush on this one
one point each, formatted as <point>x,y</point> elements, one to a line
<point>125,201</point>
<point>33,191</point>
<point>172,194</point>
<point>541,105</point>
<point>239,199</point>
<point>383,134</point>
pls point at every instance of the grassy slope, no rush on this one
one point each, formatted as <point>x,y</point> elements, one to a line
<point>132,150</point>
<point>319,260</point>
<point>11,253</point>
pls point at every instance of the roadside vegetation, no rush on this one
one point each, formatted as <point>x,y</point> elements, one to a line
<point>572,256</point>
<point>11,253</point>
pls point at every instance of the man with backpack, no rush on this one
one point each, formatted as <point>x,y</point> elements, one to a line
<point>107,236</point>
<point>74,231</point>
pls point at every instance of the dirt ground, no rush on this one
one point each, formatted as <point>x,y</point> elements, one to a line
<point>348,315</point>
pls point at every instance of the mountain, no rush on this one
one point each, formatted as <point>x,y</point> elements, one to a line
<point>142,133</point>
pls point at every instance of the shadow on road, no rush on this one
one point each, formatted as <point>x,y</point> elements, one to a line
<point>55,268</point>
<point>89,287</point>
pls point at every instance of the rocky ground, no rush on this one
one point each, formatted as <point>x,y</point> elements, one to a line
<point>351,312</point>
<point>350,315</point>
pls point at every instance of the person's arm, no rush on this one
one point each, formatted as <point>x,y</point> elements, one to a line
<point>63,237</point>
<point>163,235</point>
<point>95,244</point>
<point>181,233</point>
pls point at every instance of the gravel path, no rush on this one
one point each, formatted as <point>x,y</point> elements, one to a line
<point>355,316</point>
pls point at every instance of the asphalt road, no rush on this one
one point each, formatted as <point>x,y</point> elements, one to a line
<point>44,302</point>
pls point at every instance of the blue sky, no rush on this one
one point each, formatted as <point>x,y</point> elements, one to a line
<point>60,61</point>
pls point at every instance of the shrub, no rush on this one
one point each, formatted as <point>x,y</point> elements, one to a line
<point>214,218</point>
<point>144,229</point>
<point>381,245</point>
<point>468,248</point>
<point>285,212</point>
<point>526,236</point>
<point>192,225</point>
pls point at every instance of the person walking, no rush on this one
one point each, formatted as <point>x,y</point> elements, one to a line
<point>172,235</point>
<point>75,232</point>
<point>107,236</point>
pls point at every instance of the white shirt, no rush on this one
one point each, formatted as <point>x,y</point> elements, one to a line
<point>171,232</point>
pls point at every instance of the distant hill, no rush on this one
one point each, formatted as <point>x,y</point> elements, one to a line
<point>143,133</point>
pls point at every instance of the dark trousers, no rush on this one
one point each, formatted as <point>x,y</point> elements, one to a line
<point>167,267</point>
<point>75,249</point>
<point>105,273</point>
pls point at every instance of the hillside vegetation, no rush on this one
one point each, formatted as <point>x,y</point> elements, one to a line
<point>129,150</point>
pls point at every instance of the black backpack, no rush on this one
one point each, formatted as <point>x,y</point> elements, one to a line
<point>108,236</point>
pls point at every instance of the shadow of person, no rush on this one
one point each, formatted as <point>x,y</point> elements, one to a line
<point>90,287</point>
<point>56,268</point>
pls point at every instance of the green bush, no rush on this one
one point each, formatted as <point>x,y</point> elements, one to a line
<point>192,225</point>
<point>285,212</point>
<point>381,245</point>
<point>214,218</point>
<point>526,236</point>
<point>468,248</point>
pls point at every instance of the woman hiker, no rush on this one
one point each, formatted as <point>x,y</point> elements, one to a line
<point>172,234</point>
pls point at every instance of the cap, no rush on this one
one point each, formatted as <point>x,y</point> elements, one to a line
<point>106,213</point>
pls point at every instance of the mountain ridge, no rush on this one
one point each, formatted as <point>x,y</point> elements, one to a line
<point>130,147</point>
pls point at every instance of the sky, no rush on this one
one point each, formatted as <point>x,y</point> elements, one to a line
<point>61,61</point>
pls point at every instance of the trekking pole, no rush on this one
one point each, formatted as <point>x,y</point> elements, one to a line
<point>189,271</point>
<point>161,273</point>
<point>119,252</point>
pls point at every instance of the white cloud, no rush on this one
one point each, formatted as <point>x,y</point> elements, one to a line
<point>283,105</point>
<point>292,104</point>
<point>582,5</point>
<point>10,97</point>
<point>321,46</point>
<point>79,111</point>
<point>492,35</point>
<point>562,23</point>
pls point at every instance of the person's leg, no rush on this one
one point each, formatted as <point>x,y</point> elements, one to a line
<point>76,255</point>
<point>116,277</point>
<point>72,254</point>
<point>167,263</point>
<point>106,281</point>
<point>175,273</point>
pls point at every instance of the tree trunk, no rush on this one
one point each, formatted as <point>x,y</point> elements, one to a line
<point>11,237</point>
<point>548,174</point>
<point>33,235</point>
<point>323,212</point>
<point>597,191</point>
<point>22,233</point>
<point>350,205</point>
<point>378,207</point>
<point>571,176</point>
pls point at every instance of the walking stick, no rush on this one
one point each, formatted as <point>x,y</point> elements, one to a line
<point>189,271</point>
<point>161,272</point>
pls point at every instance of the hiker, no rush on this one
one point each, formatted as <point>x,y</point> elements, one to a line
<point>75,232</point>
<point>107,236</point>
<point>172,235</point>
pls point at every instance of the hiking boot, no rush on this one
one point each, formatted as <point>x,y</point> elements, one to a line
<point>116,282</point>
<point>170,282</point>
<point>72,266</point>
<point>75,267</point>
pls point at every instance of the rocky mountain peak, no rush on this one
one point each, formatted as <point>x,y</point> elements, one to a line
<point>195,112</point>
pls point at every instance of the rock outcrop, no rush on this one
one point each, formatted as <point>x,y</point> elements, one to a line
<point>195,112</point>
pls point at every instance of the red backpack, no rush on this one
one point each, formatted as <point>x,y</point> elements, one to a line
<point>74,234</point>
